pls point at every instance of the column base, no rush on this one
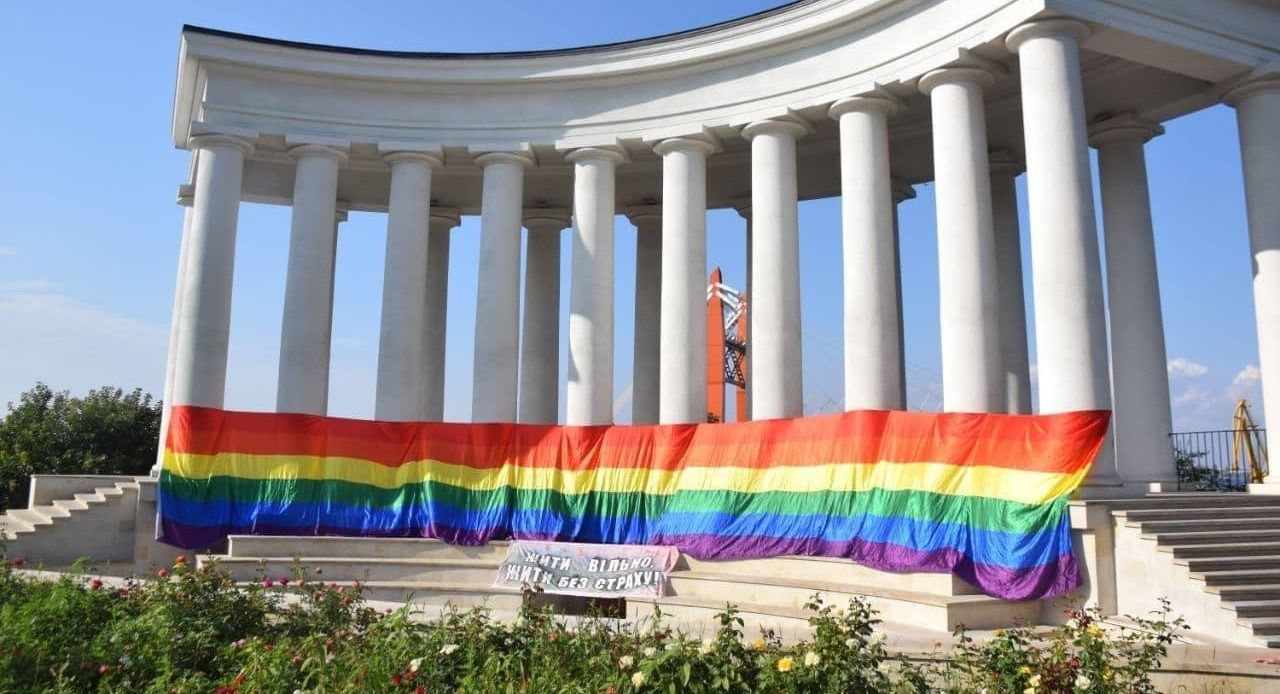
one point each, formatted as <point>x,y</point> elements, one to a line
<point>1265,489</point>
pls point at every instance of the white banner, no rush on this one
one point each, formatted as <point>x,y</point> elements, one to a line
<point>569,568</point>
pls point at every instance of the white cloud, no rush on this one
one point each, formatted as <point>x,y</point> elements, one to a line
<point>1248,376</point>
<point>27,286</point>
<point>1182,366</point>
<point>72,344</point>
<point>1193,396</point>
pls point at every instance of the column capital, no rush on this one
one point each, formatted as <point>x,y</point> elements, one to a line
<point>878,101</point>
<point>643,213</point>
<point>186,194</point>
<point>1269,82</point>
<point>1122,128</point>
<point>742,206</point>
<point>901,190</point>
<point>337,154</point>
<point>1004,163</point>
<point>706,144</point>
<point>340,210</point>
<point>1067,28</point>
<point>553,219</point>
<point>610,153</point>
<point>209,140</point>
<point>982,73</point>
<point>432,160</point>
<point>790,124</point>
<point>442,216</point>
<point>522,158</point>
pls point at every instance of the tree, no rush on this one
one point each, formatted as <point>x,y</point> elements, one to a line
<point>106,432</point>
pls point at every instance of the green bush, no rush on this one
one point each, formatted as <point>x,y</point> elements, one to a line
<point>106,432</point>
<point>194,630</point>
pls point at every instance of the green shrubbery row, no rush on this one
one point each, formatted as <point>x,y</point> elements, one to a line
<point>194,630</point>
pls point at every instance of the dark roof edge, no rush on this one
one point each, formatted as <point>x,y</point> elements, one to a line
<point>661,38</point>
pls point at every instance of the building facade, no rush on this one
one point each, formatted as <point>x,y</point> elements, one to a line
<point>856,98</point>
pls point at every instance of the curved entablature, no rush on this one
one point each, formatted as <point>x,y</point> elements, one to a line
<point>793,61</point>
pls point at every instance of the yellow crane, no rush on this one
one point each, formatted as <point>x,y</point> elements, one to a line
<point>1247,442</point>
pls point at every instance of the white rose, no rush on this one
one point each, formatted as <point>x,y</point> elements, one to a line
<point>415,664</point>
<point>637,679</point>
<point>811,659</point>
<point>626,661</point>
<point>707,646</point>
<point>650,651</point>
<point>448,648</point>
<point>1083,682</point>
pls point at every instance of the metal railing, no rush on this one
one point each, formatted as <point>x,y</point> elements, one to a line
<point>1225,460</point>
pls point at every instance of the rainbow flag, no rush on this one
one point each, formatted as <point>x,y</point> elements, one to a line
<point>980,495</point>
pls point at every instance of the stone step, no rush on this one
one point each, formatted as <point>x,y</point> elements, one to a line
<point>1230,550</point>
<point>12,526</point>
<point>1238,577</point>
<point>52,511</point>
<point>438,593</point>
<point>830,569</point>
<point>365,569</point>
<point>1243,592</point>
<point>32,517</point>
<point>359,547</point>
<point>90,497</point>
<point>70,504</point>
<point>926,610</point>
<point>1210,513</point>
<point>1252,609</point>
<point>1230,563</point>
<point>689,612</point>
<point>1195,500</point>
<point>1267,626</point>
<point>1199,524</point>
<point>1210,537</point>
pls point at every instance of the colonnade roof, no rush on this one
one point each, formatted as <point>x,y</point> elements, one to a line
<point>1154,58</point>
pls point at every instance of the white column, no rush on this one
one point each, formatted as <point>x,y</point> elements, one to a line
<point>200,369</point>
<point>307,328</point>
<point>540,337</point>
<point>743,208</point>
<point>872,360</point>
<point>1140,377</point>
<point>400,367</point>
<point>644,374</point>
<point>435,322</point>
<point>972,377</point>
<point>1257,105</point>
<point>589,396</point>
<point>902,191</point>
<point>1013,308</point>
<point>775,284</point>
<point>185,199</point>
<point>1071,334</point>
<point>682,393</point>
<point>494,381</point>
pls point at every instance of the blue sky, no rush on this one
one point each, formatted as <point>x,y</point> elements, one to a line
<point>89,229</point>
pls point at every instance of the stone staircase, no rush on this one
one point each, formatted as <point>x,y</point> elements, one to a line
<point>72,517</point>
<point>1216,556</point>
<point>770,593</point>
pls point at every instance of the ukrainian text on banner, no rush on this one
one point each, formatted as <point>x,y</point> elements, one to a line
<point>588,570</point>
<point>980,495</point>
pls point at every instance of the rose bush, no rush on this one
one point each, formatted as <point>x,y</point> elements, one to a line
<point>194,630</point>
